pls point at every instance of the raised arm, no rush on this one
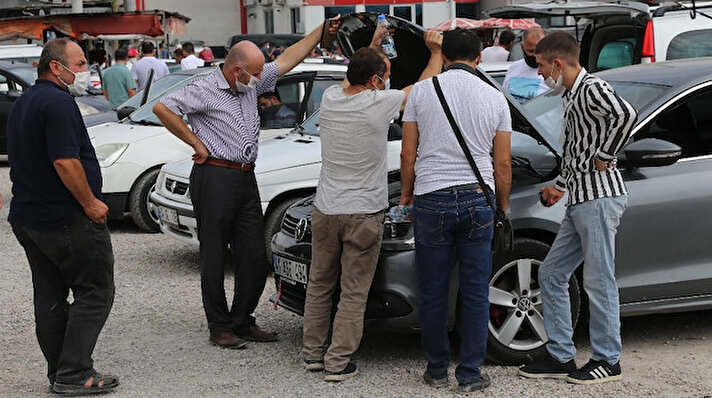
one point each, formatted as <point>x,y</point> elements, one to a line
<point>296,53</point>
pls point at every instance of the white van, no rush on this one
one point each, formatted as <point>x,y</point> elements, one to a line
<point>27,53</point>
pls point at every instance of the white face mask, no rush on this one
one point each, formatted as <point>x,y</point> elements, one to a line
<point>386,83</point>
<point>556,86</point>
<point>244,88</point>
<point>80,84</point>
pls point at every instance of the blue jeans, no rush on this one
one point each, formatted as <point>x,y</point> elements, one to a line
<point>588,235</point>
<point>453,226</point>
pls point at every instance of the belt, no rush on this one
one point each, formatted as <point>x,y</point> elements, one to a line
<point>464,187</point>
<point>230,165</point>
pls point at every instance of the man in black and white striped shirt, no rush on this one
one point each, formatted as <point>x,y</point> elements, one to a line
<point>597,123</point>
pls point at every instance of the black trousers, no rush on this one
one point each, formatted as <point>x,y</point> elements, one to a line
<point>228,211</point>
<point>77,256</point>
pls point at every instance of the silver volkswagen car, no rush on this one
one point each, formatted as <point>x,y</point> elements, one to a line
<point>663,261</point>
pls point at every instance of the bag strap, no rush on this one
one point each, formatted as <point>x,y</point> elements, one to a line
<point>462,143</point>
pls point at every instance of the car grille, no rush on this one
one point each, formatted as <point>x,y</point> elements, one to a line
<point>289,225</point>
<point>176,187</point>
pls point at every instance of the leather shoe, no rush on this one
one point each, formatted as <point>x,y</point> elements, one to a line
<point>254,333</point>
<point>227,339</point>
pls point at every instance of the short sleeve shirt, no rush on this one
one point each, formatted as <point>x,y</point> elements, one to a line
<point>354,148</point>
<point>142,69</point>
<point>226,122</point>
<point>117,81</point>
<point>524,82</point>
<point>45,125</point>
<point>479,110</point>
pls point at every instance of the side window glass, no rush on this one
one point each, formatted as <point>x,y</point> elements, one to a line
<point>317,93</point>
<point>615,54</point>
<point>280,108</point>
<point>691,44</point>
<point>687,124</point>
<point>4,85</point>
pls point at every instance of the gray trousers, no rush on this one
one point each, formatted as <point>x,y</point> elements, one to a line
<point>345,250</point>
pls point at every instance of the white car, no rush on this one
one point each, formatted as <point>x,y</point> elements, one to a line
<point>287,170</point>
<point>132,151</point>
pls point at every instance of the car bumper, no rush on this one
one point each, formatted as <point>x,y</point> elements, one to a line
<point>184,227</point>
<point>392,299</point>
<point>117,204</point>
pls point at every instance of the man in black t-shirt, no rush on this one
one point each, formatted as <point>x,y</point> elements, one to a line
<point>58,218</point>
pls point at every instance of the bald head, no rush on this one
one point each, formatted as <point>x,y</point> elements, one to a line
<point>535,33</point>
<point>243,53</point>
<point>243,60</point>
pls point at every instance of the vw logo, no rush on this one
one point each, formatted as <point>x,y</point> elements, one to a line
<point>301,229</point>
<point>524,304</point>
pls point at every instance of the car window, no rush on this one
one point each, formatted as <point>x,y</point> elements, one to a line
<point>145,113</point>
<point>317,93</point>
<point>157,87</point>
<point>616,53</point>
<point>687,123</point>
<point>4,85</point>
<point>280,108</point>
<point>691,44</point>
<point>29,75</point>
<point>311,125</point>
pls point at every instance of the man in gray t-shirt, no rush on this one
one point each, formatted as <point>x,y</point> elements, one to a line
<point>352,194</point>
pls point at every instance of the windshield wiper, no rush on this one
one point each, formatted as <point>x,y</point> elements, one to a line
<point>146,122</point>
<point>521,161</point>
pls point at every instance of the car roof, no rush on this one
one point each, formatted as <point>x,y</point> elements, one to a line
<point>668,73</point>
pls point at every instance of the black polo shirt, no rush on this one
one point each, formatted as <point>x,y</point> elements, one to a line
<point>45,125</point>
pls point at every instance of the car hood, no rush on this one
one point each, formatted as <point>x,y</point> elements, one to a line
<point>579,9</point>
<point>356,31</point>
<point>118,132</point>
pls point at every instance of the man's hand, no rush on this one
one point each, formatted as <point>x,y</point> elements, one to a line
<point>550,195</point>
<point>433,40</point>
<point>97,211</point>
<point>378,36</point>
<point>406,200</point>
<point>201,153</point>
<point>601,165</point>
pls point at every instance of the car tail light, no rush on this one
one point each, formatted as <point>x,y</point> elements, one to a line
<point>648,53</point>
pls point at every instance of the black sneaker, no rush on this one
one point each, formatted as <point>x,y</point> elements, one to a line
<point>482,382</point>
<point>313,365</point>
<point>349,371</point>
<point>435,381</point>
<point>595,372</point>
<point>547,368</point>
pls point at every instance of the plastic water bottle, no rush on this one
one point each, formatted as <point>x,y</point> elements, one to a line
<point>387,43</point>
<point>399,213</point>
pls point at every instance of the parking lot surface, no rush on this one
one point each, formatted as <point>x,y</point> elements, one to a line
<point>156,340</point>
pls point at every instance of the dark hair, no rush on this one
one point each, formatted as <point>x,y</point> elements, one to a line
<point>178,51</point>
<point>558,44</point>
<point>461,45</point>
<point>188,47</point>
<point>270,94</point>
<point>506,37</point>
<point>121,54</point>
<point>147,47</point>
<point>54,50</point>
<point>365,63</point>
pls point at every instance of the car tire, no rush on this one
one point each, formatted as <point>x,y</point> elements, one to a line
<point>516,330</point>
<point>140,206</point>
<point>273,222</point>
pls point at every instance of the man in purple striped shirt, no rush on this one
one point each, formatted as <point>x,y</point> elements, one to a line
<point>222,109</point>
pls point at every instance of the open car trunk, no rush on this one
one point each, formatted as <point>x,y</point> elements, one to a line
<point>613,33</point>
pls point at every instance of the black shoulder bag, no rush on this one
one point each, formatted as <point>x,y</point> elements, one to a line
<point>503,234</point>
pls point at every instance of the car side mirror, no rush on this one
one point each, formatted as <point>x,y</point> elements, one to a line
<point>124,112</point>
<point>649,152</point>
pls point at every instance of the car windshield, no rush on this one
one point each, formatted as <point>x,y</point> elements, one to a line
<point>311,125</point>
<point>548,111</point>
<point>157,88</point>
<point>27,74</point>
<point>145,113</point>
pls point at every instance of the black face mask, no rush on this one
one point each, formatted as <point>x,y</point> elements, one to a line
<point>531,60</point>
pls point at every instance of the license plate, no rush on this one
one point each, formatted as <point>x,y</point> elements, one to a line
<point>290,269</point>
<point>168,215</point>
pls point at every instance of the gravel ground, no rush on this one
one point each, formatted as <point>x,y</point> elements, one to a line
<point>156,340</point>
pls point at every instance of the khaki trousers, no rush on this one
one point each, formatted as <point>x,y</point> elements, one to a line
<point>345,245</point>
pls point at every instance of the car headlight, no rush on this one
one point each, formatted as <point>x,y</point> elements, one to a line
<point>109,153</point>
<point>86,110</point>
